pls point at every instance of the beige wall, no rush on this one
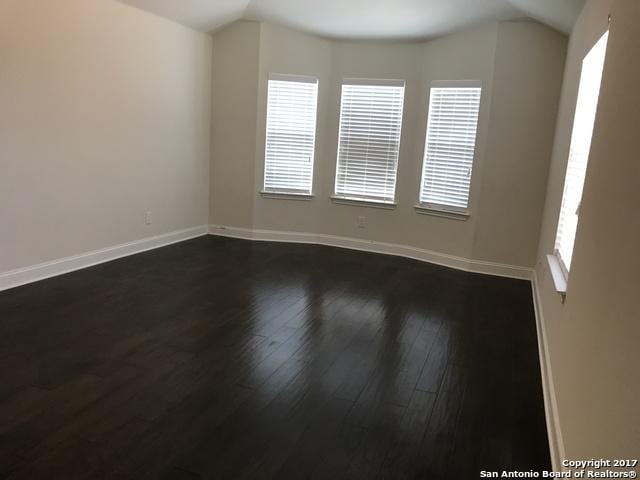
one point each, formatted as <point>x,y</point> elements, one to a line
<point>527,78</point>
<point>236,54</point>
<point>466,55</point>
<point>525,60</point>
<point>105,114</point>
<point>286,51</point>
<point>594,338</point>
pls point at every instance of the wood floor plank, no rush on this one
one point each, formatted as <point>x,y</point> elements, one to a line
<point>218,358</point>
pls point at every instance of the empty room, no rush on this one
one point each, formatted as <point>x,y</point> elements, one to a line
<point>301,239</point>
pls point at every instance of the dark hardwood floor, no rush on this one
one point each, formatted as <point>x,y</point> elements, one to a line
<point>225,359</point>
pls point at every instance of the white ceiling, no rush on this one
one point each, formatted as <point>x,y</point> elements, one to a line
<point>559,14</point>
<point>364,18</point>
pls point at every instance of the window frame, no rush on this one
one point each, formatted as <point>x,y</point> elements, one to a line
<point>440,209</point>
<point>284,193</point>
<point>355,199</point>
<point>557,265</point>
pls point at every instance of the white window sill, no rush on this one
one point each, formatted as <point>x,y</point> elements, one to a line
<point>359,202</point>
<point>558,275</point>
<point>287,195</point>
<point>441,212</point>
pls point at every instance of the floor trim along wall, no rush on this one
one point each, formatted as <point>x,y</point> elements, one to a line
<point>556,444</point>
<point>22,276</point>
<point>15,278</point>
<point>477,266</point>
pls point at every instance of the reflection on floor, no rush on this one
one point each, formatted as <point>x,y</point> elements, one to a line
<point>220,358</point>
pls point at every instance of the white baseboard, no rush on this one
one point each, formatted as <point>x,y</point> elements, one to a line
<point>22,276</point>
<point>460,263</point>
<point>556,444</point>
<point>15,278</point>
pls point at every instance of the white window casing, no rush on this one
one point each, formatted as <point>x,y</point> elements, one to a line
<point>369,140</point>
<point>292,103</point>
<point>450,145</point>
<point>581,135</point>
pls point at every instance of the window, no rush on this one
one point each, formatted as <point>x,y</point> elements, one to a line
<point>583,122</point>
<point>369,139</point>
<point>450,144</point>
<point>291,131</point>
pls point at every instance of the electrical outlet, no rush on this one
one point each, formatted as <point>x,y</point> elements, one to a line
<point>147,218</point>
<point>361,221</point>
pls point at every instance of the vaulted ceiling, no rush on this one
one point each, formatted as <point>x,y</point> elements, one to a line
<point>379,19</point>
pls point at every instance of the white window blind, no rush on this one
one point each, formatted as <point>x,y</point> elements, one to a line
<point>291,131</point>
<point>369,139</point>
<point>583,122</point>
<point>450,144</point>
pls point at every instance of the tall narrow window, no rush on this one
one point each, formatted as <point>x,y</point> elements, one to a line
<point>291,132</point>
<point>369,139</point>
<point>450,144</point>
<point>583,122</point>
